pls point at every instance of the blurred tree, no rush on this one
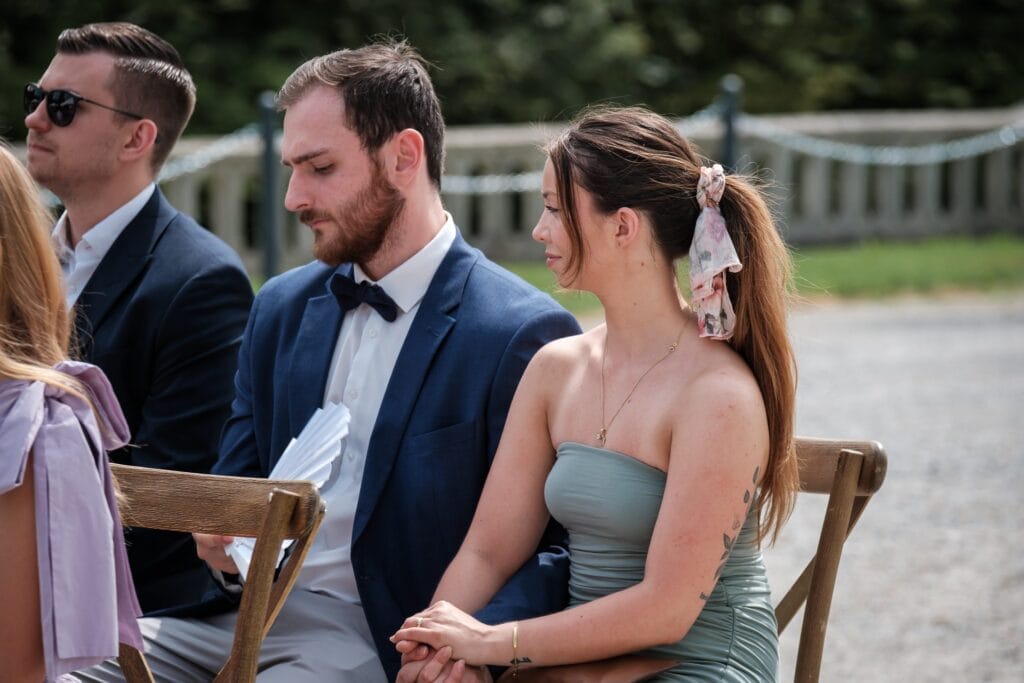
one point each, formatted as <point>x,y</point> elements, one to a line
<point>528,60</point>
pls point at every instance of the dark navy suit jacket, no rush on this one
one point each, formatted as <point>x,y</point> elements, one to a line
<point>163,316</point>
<point>438,427</point>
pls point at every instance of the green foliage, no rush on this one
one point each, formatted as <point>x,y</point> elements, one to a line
<point>530,60</point>
<point>872,269</point>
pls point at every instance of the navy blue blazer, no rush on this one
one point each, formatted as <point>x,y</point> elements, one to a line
<point>163,316</point>
<point>435,436</point>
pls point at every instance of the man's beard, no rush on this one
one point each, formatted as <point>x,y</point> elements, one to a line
<point>362,225</point>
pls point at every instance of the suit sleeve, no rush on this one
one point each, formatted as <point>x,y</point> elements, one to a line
<point>540,586</point>
<point>196,352</point>
<point>239,455</point>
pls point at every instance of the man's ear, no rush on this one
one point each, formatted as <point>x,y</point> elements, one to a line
<point>407,154</point>
<point>141,141</point>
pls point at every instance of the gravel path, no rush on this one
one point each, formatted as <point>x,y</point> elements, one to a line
<point>931,585</point>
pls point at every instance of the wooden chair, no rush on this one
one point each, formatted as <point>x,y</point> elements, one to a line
<point>269,510</point>
<point>850,472</point>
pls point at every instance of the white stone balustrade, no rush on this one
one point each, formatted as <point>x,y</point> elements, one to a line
<point>818,199</point>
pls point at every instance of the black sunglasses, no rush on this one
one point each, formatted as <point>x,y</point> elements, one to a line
<point>61,105</point>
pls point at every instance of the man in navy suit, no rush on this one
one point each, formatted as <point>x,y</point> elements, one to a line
<point>160,302</point>
<point>420,336</point>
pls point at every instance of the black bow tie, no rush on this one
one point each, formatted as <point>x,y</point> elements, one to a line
<point>349,295</point>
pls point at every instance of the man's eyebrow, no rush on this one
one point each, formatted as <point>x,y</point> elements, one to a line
<point>302,158</point>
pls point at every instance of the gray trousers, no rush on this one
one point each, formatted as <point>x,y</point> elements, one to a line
<point>315,638</point>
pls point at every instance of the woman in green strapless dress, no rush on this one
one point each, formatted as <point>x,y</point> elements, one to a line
<point>609,503</point>
<point>661,440</point>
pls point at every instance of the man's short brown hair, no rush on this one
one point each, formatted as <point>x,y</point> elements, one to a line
<point>149,77</point>
<point>385,88</point>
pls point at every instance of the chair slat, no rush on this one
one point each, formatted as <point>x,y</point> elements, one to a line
<point>850,472</point>
<point>290,572</point>
<point>826,565</point>
<point>206,503</point>
<point>133,665</point>
<point>818,459</point>
<point>241,664</point>
<point>269,510</point>
<point>797,593</point>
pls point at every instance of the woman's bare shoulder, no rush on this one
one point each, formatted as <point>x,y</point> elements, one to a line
<point>567,351</point>
<point>559,359</point>
<point>721,382</point>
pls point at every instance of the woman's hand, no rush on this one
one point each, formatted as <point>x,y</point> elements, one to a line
<point>442,624</point>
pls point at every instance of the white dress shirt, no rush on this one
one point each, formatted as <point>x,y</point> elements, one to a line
<point>81,262</point>
<point>364,357</point>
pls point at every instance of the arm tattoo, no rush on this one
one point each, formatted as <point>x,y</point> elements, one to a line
<point>727,541</point>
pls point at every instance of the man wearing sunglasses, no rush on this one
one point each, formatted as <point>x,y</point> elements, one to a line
<point>160,303</point>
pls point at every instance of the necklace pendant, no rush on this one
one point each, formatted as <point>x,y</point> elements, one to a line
<point>601,436</point>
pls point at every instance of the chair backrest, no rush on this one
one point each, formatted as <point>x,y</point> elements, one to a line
<point>269,510</point>
<point>849,472</point>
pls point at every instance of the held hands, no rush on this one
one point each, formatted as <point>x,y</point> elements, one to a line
<point>211,549</point>
<point>442,624</point>
<point>423,664</point>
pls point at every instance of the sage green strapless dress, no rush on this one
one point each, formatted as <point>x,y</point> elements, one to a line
<point>609,503</point>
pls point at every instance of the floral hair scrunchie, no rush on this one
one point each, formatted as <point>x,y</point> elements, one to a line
<point>711,253</point>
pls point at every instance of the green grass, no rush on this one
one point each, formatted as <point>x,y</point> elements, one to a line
<point>538,275</point>
<point>870,269</point>
<point>875,269</point>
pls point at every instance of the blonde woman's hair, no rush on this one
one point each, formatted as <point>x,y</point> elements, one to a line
<point>35,328</point>
<point>630,156</point>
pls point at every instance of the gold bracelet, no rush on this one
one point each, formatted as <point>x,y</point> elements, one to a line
<point>515,646</point>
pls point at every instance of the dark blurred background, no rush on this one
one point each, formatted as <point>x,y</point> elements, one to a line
<point>503,61</point>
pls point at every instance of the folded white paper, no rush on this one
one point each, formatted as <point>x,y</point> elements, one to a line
<point>309,456</point>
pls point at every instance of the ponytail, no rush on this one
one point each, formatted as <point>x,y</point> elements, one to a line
<point>760,294</point>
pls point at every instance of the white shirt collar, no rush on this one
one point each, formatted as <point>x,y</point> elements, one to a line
<point>102,235</point>
<point>408,283</point>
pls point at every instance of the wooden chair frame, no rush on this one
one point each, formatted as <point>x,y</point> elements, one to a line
<point>850,472</point>
<point>269,510</point>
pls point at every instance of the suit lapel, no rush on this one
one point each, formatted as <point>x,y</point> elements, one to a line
<point>434,320</point>
<point>311,359</point>
<point>126,261</point>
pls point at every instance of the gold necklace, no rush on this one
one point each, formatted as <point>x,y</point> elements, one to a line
<point>602,435</point>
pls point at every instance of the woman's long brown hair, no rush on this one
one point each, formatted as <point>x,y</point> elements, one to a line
<point>632,157</point>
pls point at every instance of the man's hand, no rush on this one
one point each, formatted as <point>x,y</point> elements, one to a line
<point>422,664</point>
<point>210,548</point>
<point>444,624</point>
